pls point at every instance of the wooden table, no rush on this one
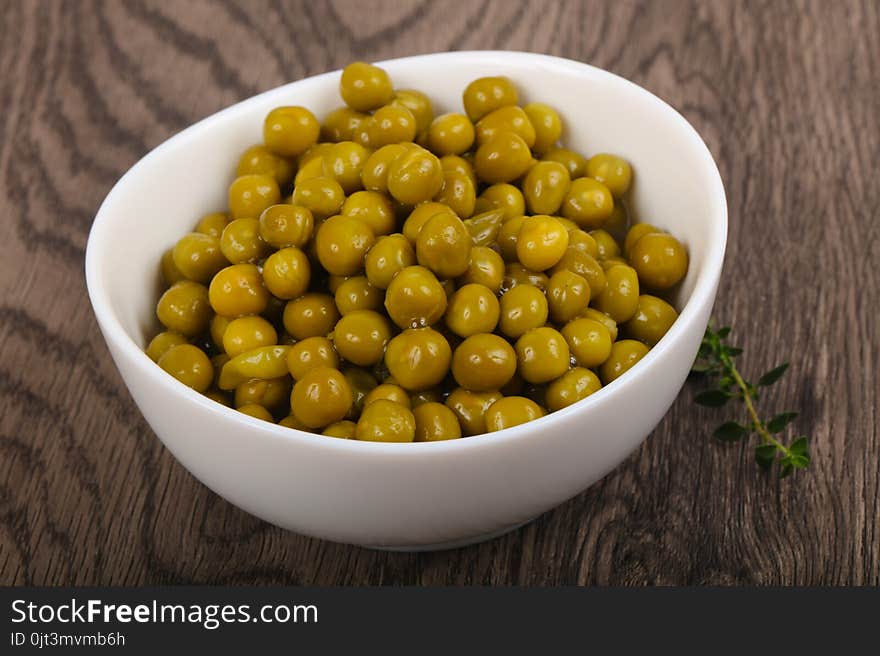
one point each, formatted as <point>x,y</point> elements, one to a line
<point>787,95</point>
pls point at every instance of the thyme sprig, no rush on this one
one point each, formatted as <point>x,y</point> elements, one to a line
<point>715,360</point>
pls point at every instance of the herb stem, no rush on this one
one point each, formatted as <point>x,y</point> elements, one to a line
<point>760,428</point>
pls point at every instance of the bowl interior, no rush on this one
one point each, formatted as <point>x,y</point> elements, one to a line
<point>676,184</point>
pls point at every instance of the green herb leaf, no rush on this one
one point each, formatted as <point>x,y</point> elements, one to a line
<point>712,398</point>
<point>730,431</point>
<point>773,375</point>
<point>715,360</point>
<point>765,454</point>
<point>801,446</point>
<point>780,421</point>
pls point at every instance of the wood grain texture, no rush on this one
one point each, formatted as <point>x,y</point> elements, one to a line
<point>787,95</point>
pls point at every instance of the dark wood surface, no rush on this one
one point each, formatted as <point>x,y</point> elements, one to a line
<point>786,94</point>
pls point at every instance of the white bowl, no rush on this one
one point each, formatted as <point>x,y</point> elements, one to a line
<point>423,495</point>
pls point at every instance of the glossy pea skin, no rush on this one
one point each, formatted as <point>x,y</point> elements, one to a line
<point>389,392</point>
<point>483,362</point>
<point>344,430</point>
<point>364,87</point>
<point>418,358</point>
<point>444,245</point>
<point>472,309</point>
<point>458,193</point>
<point>607,245</point>
<point>505,197</point>
<point>426,396</point>
<point>259,160</point>
<point>286,273</point>
<point>470,408</point>
<point>241,241</point>
<point>542,354</point>
<point>361,336</point>
<point>274,394</point>
<point>625,353</point>
<point>263,362</point>
<point>249,195</point>
<point>636,232</point>
<point>341,123</point>
<point>356,293</point>
<point>189,365</point>
<point>162,342</point>
<point>618,223</point>
<point>170,273</point>
<point>342,243</point>
<point>487,94</point>
<point>285,225</point>
<point>511,411</point>
<point>450,134</point>
<point>516,274</point>
<point>435,422</point>
<point>541,242</point>
<point>373,209</point>
<point>391,124</point>
<point>415,298</point>
<point>485,268</point>
<point>419,216</point>
<point>571,387</point>
<point>547,125</point>
<point>459,165</point>
<point>311,353</point>
<point>485,226</point>
<point>388,256</point>
<point>322,196</point>
<point>584,265</point>
<point>345,161</point>
<point>290,131</point>
<point>583,241</point>
<point>602,318</point>
<point>238,290</point>
<point>374,174</point>
<point>505,119</point>
<point>292,422</point>
<point>184,308</point>
<point>545,187</point>
<point>310,315</point>
<point>386,421</point>
<point>613,171</point>
<point>507,237</point>
<point>247,333</point>
<point>212,224</point>
<point>589,341</point>
<point>620,298</point>
<point>218,397</point>
<point>502,158</point>
<point>574,162</point>
<point>417,103</point>
<point>653,319</point>
<point>659,259</point>
<point>361,382</point>
<point>568,294</point>
<point>588,203</point>
<point>256,411</point>
<point>523,308</point>
<point>321,397</point>
<point>415,176</point>
<point>198,257</point>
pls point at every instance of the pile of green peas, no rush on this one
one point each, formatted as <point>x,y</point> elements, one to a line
<point>392,275</point>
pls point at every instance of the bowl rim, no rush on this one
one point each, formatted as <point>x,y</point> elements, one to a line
<point>702,294</point>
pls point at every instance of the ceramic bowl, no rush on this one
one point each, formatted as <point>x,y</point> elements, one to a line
<point>421,495</point>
